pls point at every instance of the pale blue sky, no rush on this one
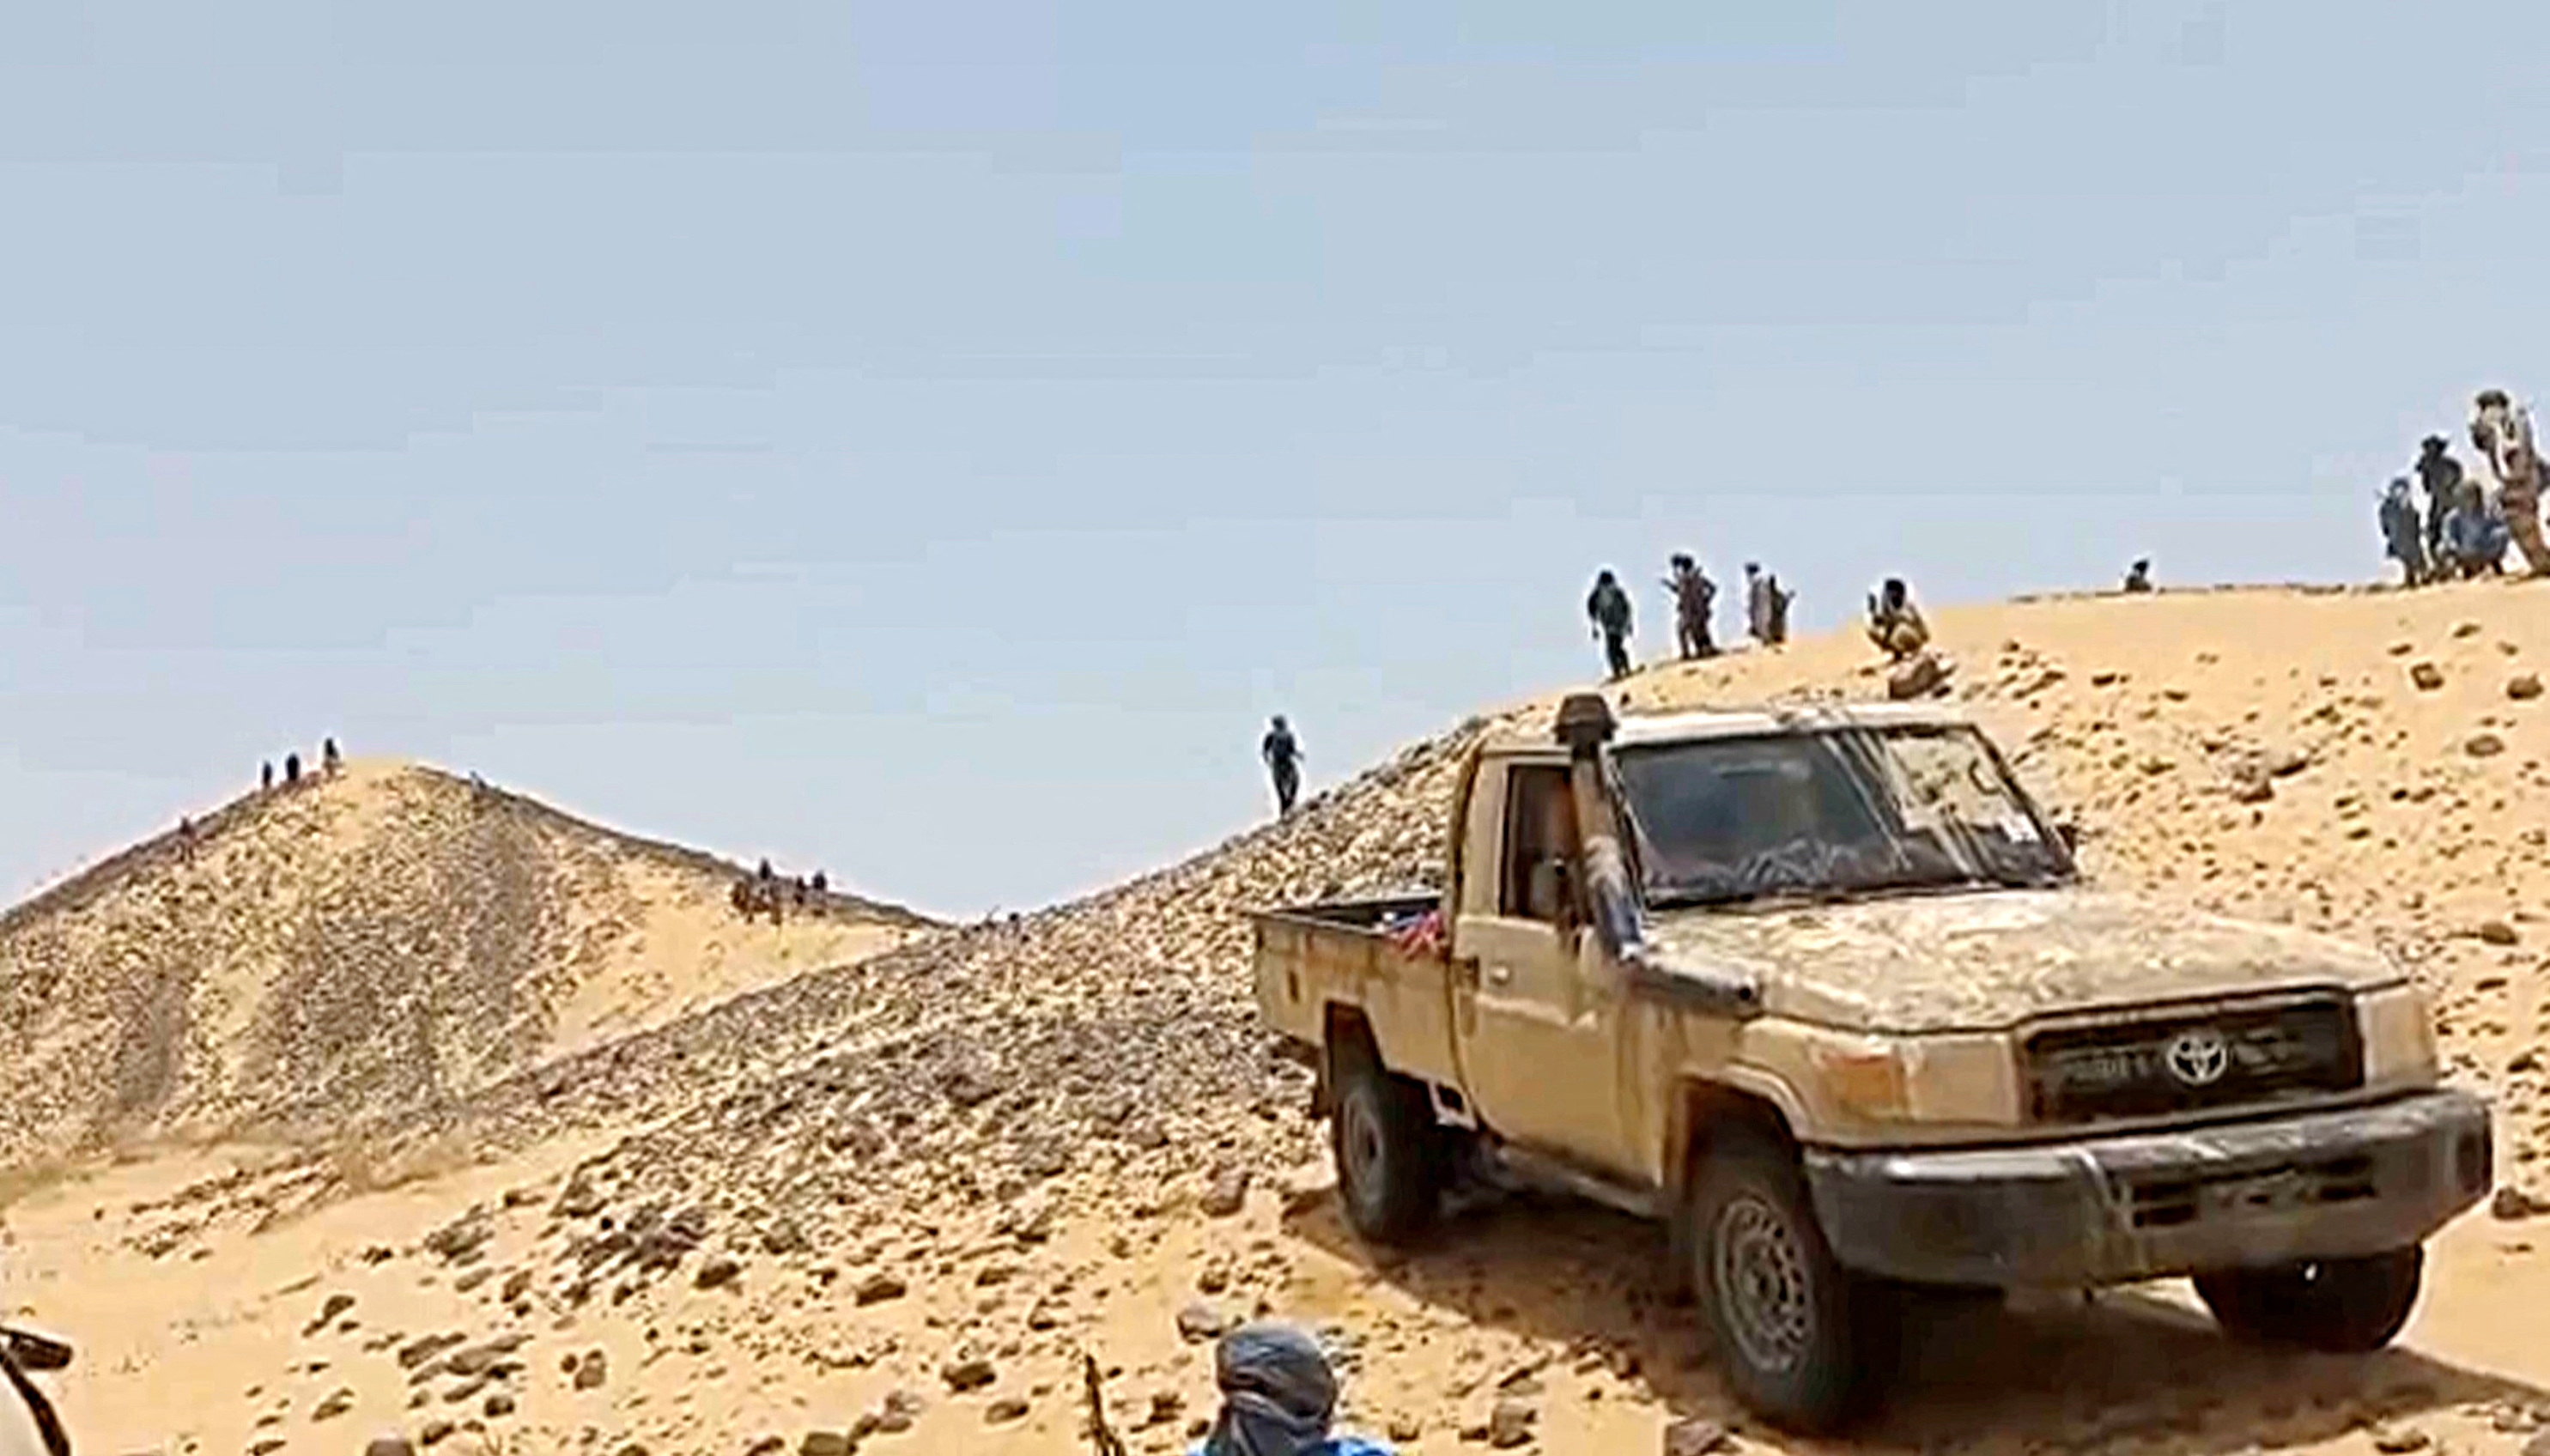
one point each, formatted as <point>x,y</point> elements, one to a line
<point>927,441</point>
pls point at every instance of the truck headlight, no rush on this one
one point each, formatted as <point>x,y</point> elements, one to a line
<point>2399,1033</point>
<point>1969,1080</point>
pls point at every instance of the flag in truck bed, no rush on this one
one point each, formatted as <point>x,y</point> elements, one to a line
<point>1417,935</point>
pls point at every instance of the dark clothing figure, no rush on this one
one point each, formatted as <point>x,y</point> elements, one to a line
<point>1695,603</point>
<point>2476,536</point>
<point>2138,579</point>
<point>1283,754</point>
<point>330,760</point>
<point>292,769</point>
<point>1781,597</point>
<point>265,774</point>
<point>2439,475</point>
<point>766,875</point>
<point>1278,1397</point>
<point>2404,534</point>
<point>1608,608</point>
<point>186,840</point>
<point>821,883</point>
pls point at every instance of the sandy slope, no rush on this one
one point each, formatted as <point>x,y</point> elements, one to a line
<point>376,942</point>
<point>1003,1143</point>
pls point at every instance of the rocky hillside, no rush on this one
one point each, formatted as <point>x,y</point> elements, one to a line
<point>2369,763</point>
<point>385,941</point>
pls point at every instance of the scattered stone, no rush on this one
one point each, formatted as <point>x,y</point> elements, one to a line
<point>338,1402</point>
<point>499,1405</point>
<point>462,1239</point>
<point>969,1375</point>
<point>784,1237</point>
<point>389,1445</point>
<point>2402,1441</point>
<point>436,1433</point>
<point>827,1443</point>
<point>719,1272</point>
<point>766,1446</point>
<point>1405,1430</point>
<point>582,1199</point>
<point>591,1371</point>
<point>876,1289</point>
<point>901,1408</point>
<point>1509,1423</point>
<point>1199,1321</point>
<point>2523,687</point>
<point>1006,1410</point>
<point>2538,1447</point>
<point>1696,1438</point>
<point>2484,745</point>
<point>2497,933</point>
<point>2427,677</point>
<point>1227,1195</point>
<point>2513,1204</point>
<point>517,1285</point>
<point>335,1305</point>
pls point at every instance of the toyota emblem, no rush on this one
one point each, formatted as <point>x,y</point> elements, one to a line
<point>2199,1058</point>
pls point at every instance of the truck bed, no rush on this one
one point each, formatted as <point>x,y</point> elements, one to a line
<point>1310,957</point>
<point>1357,915</point>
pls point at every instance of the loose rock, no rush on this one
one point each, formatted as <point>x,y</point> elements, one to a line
<point>1695,1438</point>
<point>1227,1195</point>
<point>1509,1423</point>
<point>968,1375</point>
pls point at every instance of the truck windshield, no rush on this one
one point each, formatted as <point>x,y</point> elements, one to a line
<point>1833,812</point>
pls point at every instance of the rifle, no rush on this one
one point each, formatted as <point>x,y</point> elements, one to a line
<point>1106,1440</point>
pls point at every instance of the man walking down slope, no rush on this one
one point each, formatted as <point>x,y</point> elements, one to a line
<point>1609,607</point>
<point>1283,754</point>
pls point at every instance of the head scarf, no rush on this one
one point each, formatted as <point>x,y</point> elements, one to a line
<point>1277,1393</point>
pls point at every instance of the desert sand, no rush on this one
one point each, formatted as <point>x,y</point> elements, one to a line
<point>376,1118</point>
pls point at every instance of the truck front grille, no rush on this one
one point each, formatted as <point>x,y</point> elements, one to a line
<point>2194,1058</point>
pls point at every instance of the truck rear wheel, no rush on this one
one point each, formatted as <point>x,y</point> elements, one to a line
<point>1799,1338</point>
<point>1390,1153</point>
<point>2346,1306</point>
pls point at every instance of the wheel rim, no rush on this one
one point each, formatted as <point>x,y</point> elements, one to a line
<point>1359,1151</point>
<point>1761,1284</point>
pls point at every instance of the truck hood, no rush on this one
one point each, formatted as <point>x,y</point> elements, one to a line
<point>1986,960</point>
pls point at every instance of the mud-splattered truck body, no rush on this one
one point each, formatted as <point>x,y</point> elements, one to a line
<point>1823,990</point>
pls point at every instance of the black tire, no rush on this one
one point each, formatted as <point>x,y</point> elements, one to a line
<point>1390,1153</point>
<point>2346,1306</point>
<point>1803,1341</point>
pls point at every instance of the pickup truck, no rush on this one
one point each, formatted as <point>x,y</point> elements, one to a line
<point>1823,991</point>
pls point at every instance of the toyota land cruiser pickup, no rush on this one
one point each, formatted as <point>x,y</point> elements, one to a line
<point>1823,988</point>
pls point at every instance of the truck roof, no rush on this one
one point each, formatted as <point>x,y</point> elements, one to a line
<point>1747,722</point>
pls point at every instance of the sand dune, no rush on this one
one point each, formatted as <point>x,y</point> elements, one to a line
<point>384,942</point>
<point>888,1203</point>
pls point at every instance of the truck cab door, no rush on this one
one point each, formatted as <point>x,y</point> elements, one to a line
<point>1537,1020</point>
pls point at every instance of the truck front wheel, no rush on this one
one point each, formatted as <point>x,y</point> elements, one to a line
<point>1798,1335</point>
<point>2346,1306</point>
<point>1390,1153</point>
